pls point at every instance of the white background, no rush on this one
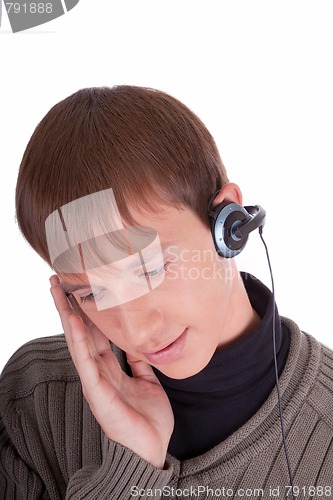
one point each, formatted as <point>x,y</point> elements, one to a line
<point>259,74</point>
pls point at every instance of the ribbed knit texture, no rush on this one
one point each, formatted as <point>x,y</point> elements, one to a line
<point>52,448</point>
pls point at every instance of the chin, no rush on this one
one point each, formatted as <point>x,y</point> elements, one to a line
<point>184,370</point>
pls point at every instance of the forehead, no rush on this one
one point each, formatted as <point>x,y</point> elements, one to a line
<point>89,232</point>
<point>95,215</point>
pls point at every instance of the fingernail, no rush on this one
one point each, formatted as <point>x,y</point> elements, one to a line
<point>54,280</point>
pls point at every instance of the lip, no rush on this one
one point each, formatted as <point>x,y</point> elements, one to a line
<point>169,353</point>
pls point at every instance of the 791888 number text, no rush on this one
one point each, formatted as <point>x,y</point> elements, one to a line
<point>29,8</point>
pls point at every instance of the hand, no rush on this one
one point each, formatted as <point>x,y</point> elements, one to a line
<point>133,411</point>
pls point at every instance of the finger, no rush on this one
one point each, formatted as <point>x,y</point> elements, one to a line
<point>79,311</point>
<point>85,326</point>
<point>65,311</point>
<point>62,304</point>
<point>54,280</point>
<point>68,307</point>
<point>60,299</point>
<point>82,353</point>
<point>101,342</point>
<point>142,370</point>
<point>91,365</point>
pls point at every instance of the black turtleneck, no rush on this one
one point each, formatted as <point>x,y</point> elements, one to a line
<point>214,403</point>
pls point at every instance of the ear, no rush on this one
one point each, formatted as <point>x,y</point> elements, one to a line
<point>229,193</point>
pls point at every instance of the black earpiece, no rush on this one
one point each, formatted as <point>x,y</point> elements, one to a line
<point>231,225</point>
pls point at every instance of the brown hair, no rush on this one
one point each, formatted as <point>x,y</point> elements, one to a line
<point>144,144</point>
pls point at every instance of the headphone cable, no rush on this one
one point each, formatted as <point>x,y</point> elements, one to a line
<point>276,369</point>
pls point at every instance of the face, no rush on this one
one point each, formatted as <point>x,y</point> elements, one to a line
<point>188,314</point>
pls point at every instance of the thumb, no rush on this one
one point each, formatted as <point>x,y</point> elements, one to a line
<point>142,370</point>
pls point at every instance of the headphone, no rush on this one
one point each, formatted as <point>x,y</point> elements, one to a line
<point>231,225</point>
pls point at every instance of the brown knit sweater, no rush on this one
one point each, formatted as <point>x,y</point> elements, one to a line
<point>52,448</point>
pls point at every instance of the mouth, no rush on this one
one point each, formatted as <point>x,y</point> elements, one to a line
<point>169,353</point>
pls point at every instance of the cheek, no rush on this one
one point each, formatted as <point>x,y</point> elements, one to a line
<point>106,322</point>
<point>205,278</point>
<point>205,291</point>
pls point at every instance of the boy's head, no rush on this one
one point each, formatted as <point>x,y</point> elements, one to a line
<point>144,144</point>
<point>124,176</point>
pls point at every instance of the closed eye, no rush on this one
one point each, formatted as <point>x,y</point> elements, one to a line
<point>155,272</point>
<point>89,296</point>
<point>85,298</point>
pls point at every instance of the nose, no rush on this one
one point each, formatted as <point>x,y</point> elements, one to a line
<point>141,324</point>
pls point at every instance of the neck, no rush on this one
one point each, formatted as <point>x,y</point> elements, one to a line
<point>243,319</point>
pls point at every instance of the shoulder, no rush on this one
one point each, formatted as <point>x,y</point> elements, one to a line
<point>321,395</point>
<point>311,371</point>
<point>39,361</point>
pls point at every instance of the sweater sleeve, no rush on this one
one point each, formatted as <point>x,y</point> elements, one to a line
<point>17,480</point>
<point>51,446</point>
<point>121,476</point>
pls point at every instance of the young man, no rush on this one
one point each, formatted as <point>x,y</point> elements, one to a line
<point>164,382</point>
